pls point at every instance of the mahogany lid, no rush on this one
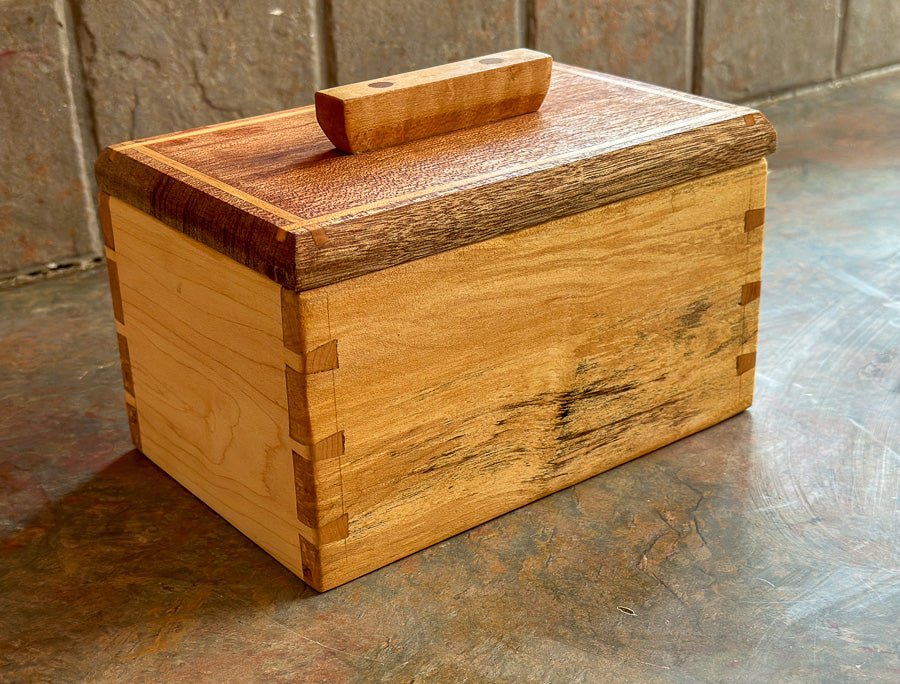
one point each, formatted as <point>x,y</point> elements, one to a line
<point>273,193</point>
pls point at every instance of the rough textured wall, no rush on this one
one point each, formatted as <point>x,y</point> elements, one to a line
<point>380,37</point>
<point>152,66</point>
<point>752,48</point>
<point>871,32</point>
<point>46,209</point>
<point>76,75</point>
<point>650,40</point>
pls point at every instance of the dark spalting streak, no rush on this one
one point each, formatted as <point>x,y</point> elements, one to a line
<point>568,401</point>
<point>734,341</point>
<point>573,444</point>
<point>694,316</point>
<point>451,456</point>
<point>447,459</point>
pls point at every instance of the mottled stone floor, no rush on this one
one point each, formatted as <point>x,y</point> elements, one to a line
<point>766,548</point>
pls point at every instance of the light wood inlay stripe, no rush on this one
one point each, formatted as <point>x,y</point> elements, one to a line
<point>315,230</point>
<point>216,183</point>
<point>645,87</point>
<point>211,129</point>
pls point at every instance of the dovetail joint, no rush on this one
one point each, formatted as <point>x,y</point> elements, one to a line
<point>114,289</point>
<point>746,362</point>
<point>754,218</point>
<point>134,425</point>
<point>750,292</point>
<point>317,484</point>
<point>125,358</point>
<point>105,220</point>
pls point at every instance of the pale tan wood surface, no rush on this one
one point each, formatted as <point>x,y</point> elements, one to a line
<point>479,379</point>
<point>396,109</point>
<point>204,336</point>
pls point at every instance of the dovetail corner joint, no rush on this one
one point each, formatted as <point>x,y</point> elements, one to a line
<point>310,562</point>
<point>754,218</point>
<point>125,358</point>
<point>330,447</point>
<point>750,292</point>
<point>133,425</point>
<point>299,424</point>
<point>322,358</point>
<point>105,220</point>
<point>114,289</point>
<point>313,550</point>
<point>318,233</point>
<point>746,362</point>
<point>332,531</point>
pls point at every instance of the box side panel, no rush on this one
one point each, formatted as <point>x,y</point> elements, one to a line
<point>207,376</point>
<point>477,380</point>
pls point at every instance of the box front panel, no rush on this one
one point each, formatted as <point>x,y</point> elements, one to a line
<point>477,380</point>
<point>206,375</point>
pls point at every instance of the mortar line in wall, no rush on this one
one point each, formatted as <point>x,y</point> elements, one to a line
<point>319,30</point>
<point>525,11</point>
<point>696,12</point>
<point>77,22</point>
<point>93,227</point>
<point>325,45</point>
<point>63,268</point>
<point>841,38</point>
<point>768,100</point>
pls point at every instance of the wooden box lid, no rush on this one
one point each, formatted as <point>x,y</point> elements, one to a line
<point>272,193</point>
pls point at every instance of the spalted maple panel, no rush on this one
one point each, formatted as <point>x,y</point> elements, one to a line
<point>479,379</point>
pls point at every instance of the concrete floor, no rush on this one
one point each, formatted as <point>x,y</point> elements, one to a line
<point>764,549</point>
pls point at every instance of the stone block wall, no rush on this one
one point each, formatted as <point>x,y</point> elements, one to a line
<point>76,75</point>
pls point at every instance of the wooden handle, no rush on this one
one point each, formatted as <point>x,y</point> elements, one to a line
<point>396,109</point>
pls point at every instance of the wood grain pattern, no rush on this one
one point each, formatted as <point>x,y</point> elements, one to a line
<point>275,196</point>
<point>418,104</point>
<point>754,241</point>
<point>205,345</point>
<point>466,385</point>
<point>469,385</point>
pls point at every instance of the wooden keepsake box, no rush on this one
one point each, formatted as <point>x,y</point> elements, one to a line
<point>353,356</point>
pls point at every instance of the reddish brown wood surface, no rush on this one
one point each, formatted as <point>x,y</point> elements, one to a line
<point>272,193</point>
<point>396,109</point>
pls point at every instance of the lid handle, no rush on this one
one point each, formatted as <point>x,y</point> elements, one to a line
<point>389,111</point>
